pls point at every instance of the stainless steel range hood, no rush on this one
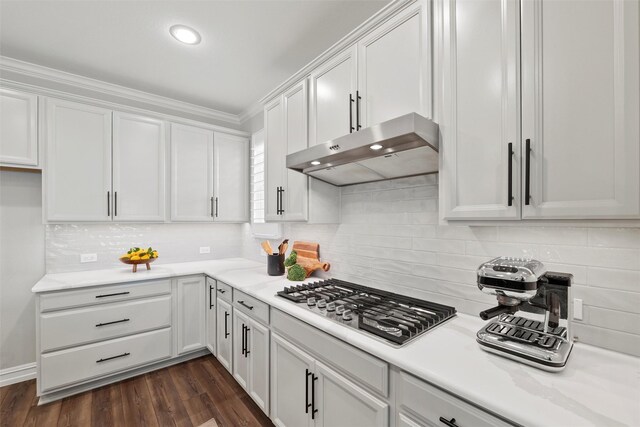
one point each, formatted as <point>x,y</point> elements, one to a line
<point>401,147</point>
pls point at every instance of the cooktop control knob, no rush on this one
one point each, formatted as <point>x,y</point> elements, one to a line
<point>331,306</point>
<point>322,303</point>
<point>346,315</point>
<point>340,310</point>
<point>311,301</point>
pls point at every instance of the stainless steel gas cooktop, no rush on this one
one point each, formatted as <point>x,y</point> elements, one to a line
<point>397,319</point>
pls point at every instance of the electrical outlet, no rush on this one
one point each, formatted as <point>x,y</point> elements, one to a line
<point>88,257</point>
<point>205,249</point>
<point>577,309</point>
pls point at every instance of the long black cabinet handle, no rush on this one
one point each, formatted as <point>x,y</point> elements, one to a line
<point>211,200</point>
<point>250,307</point>
<point>115,203</point>
<point>246,341</point>
<point>306,391</point>
<point>351,101</point>
<point>113,295</point>
<point>226,324</point>
<point>281,200</point>
<point>108,203</point>
<point>510,180</point>
<point>210,297</point>
<point>244,344</point>
<point>313,396</point>
<point>527,177</point>
<point>358,98</point>
<point>450,423</point>
<point>216,207</point>
<point>113,357</point>
<point>111,323</point>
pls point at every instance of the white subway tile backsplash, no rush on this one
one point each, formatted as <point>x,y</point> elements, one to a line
<point>439,245</point>
<point>625,280</point>
<point>615,237</point>
<point>598,257</point>
<point>543,235</point>
<point>613,319</point>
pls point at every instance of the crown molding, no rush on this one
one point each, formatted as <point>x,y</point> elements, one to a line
<point>8,64</point>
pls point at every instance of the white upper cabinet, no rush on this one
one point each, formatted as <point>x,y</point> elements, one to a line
<point>78,162</point>
<point>191,173</point>
<point>294,199</point>
<point>580,109</point>
<point>18,128</point>
<point>480,118</point>
<point>394,68</point>
<point>138,168</point>
<point>332,107</point>
<point>275,157</point>
<point>231,178</point>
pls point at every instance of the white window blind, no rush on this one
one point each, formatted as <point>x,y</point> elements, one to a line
<point>257,177</point>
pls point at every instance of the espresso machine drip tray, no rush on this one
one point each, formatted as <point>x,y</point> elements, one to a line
<point>524,340</point>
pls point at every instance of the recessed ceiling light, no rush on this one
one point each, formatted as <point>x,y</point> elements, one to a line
<point>184,34</point>
<point>376,147</point>
<point>315,163</point>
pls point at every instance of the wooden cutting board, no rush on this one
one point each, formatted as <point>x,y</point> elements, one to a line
<point>309,257</point>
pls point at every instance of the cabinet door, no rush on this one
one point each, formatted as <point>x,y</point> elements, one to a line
<point>210,306</point>
<point>295,196</point>
<point>18,128</point>
<point>224,336</point>
<point>580,108</point>
<point>240,357</point>
<point>480,113</point>
<point>138,168</point>
<point>394,68</point>
<point>258,345</point>
<point>231,178</point>
<point>275,155</point>
<point>289,368</point>
<point>333,85</point>
<point>191,314</point>
<point>191,173</point>
<point>341,402</point>
<point>78,162</point>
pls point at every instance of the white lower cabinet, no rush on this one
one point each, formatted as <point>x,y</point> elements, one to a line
<point>224,336</point>
<point>307,392</point>
<point>251,358</point>
<point>210,328</point>
<point>190,314</point>
<point>421,404</point>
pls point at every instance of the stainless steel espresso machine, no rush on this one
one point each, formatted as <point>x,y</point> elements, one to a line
<point>541,334</point>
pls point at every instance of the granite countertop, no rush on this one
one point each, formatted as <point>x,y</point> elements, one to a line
<point>598,387</point>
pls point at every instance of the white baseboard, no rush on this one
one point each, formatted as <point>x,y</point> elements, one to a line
<point>17,374</point>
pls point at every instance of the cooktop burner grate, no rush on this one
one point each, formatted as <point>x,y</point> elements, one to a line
<point>393,317</point>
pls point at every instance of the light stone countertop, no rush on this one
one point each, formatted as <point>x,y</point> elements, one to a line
<point>598,387</point>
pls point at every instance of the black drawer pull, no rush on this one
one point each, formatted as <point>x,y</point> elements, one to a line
<point>111,323</point>
<point>510,177</point>
<point>250,307</point>
<point>450,423</point>
<point>226,325</point>
<point>113,357</point>
<point>210,298</point>
<point>527,176</point>
<point>222,291</point>
<point>246,341</point>
<point>113,295</point>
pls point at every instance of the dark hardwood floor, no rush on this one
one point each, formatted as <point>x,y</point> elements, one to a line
<point>187,394</point>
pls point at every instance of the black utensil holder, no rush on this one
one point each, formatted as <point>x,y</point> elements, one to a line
<point>275,265</point>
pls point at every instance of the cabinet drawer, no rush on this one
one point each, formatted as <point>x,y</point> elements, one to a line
<point>67,328</point>
<point>103,294</point>
<point>224,291</point>
<point>364,368</point>
<point>66,367</point>
<point>432,403</point>
<point>251,306</point>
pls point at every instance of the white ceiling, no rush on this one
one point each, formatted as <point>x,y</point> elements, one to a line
<point>247,49</point>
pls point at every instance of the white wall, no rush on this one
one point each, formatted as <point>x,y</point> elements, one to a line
<point>390,237</point>
<point>21,264</point>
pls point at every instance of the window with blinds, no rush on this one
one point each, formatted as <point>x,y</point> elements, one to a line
<point>257,177</point>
